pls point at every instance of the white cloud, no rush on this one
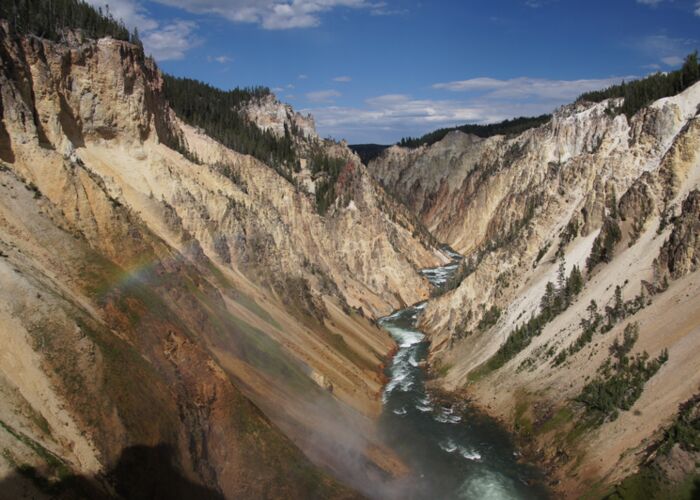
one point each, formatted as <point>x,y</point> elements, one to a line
<point>271,14</point>
<point>672,60</point>
<point>171,41</point>
<point>220,59</point>
<point>303,77</point>
<point>536,4</point>
<point>163,40</point>
<point>382,9</point>
<point>665,49</point>
<point>322,96</point>
<point>528,88</point>
<point>654,3</point>
<point>128,11</point>
<point>387,118</point>
<point>342,79</point>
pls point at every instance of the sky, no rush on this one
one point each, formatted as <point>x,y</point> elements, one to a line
<point>374,71</point>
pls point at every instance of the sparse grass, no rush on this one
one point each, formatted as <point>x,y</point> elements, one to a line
<point>560,418</point>
<point>263,353</point>
<point>650,484</point>
<point>580,429</point>
<point>54,462</point>
<point>39,421</point>
<point>253,307</point>
<point>441,369</point>
<point>522,420</point>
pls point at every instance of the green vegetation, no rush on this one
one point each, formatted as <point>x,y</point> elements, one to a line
<point>219,113</point>
<point>509,234</point>
<point>650,481</point>
<point>441,369</point>
<point>640,93</point>
<point>555,300</point>
<point>590,326</point>
<point>568,234</point>
<point>61,477</point>
<point>685,429</point>
<point>522,420</point>
<point>596,322</point>
<point>541,253</point>
<point>253,307</point>
<point>506,237</point>
<point>514,126</point>
<point>604,244</point>
<point>326,170</point>
<point>489,318</point>
<point>51,19</point>
<point>466,267</point>
<point>559,419</point>
<point>621,379</point>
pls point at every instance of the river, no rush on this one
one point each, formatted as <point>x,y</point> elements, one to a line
<point>454,453</point>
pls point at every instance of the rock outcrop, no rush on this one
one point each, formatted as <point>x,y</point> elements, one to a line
<point>680,254</point>
<point>270,114</point>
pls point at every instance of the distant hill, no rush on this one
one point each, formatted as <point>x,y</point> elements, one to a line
<point>515,126</point>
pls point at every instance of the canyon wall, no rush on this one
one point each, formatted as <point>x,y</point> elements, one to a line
<point>612,195</point>
<point>196,319</point>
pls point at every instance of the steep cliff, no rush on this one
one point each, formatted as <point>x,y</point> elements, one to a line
<point>182,318</point>
<point>591,206</point>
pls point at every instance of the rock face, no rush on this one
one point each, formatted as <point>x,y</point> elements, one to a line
<point>680,254</point>
<point>270,114</point>
<point>591,181</point>
<point>189,315</point>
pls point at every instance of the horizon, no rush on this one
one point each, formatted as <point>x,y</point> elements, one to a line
<point>408,68</point>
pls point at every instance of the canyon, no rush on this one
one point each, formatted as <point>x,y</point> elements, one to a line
<point>204,308</point>
<point>177,316</point>
<point>525,211</point>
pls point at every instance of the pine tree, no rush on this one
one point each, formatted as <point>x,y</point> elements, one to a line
<point>592,310</point>
<point>575,282</point>
<point>619,302</point>
<point>640,93</point>
<point>548,299</point>
<point>135,38</point>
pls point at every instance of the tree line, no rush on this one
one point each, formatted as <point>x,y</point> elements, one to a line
<point>513,126</point>
<point>50,18</point>
<point>620,380</point>
<point>219,113</point>
<point>640,93</point>
<point>556,299</point>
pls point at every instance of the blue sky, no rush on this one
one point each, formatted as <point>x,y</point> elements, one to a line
<point>376,71</point>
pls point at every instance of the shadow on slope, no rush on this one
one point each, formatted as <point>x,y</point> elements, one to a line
<point>142,472</point>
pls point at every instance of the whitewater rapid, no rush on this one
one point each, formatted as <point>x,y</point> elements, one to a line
<point>455,452</point>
